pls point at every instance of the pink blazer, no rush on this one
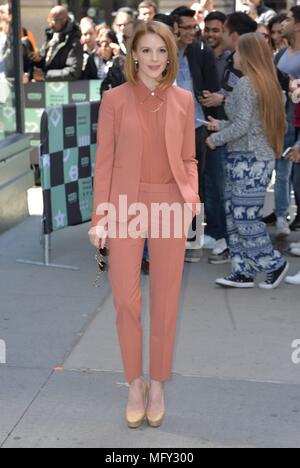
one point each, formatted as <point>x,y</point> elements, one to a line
<point>120,147</point>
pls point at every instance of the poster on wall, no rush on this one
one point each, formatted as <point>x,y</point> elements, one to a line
<point>68,153</point>
<point>39,96</point>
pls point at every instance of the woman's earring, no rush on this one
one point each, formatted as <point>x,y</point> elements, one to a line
<point>136,62</point>
<point>166,70</point>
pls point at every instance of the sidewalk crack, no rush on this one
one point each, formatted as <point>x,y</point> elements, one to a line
<point>230,311</point>
<point>26,410</point>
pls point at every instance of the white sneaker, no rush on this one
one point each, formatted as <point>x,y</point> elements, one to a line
<point>295,252</point>
<point>282,228</point>
<point>209,243</point>
<point>221,246</point>
<point>295,245</point>
<point>293,279</point>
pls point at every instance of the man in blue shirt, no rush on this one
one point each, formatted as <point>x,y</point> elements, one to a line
<point>197,72</point>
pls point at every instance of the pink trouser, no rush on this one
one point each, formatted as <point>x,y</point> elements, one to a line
<point>166,270</point>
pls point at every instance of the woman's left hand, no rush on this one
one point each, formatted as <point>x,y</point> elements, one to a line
<point>210,144</point>
<point>213,125</point>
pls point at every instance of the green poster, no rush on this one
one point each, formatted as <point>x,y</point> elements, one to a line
<point>95,87</point>
<point>55,125</point>
<point>35,95</point>
<point>93,157</point>
<point>33,120</point>
<point>41,95</point>
<point>45,171</point>
<point>9,119</point>
<point>71,159</point>
<point>86,198</point>
<point>59,207</point>
<point>57,94</point>
<point>34,143</point>
<point>83,124</point>
<point>78,91</point>
<point>67,164</point>
<point>79,97</point>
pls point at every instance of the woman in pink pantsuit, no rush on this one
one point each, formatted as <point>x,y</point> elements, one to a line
<point>146,152</point>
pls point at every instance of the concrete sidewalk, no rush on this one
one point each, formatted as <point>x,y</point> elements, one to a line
<point>234,385</point>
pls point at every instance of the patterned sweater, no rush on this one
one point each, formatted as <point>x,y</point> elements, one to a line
<point>243,132</point>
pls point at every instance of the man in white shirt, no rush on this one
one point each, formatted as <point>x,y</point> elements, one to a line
<point>262,13</point>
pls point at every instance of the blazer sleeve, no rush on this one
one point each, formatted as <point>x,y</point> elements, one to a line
<point>104,156</point>
<point>189,148</point>
<point>211,80</point>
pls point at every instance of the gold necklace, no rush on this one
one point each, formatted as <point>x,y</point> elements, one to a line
<point>154,111</point>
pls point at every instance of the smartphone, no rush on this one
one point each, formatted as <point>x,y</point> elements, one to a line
<point>287,152</point>
<point>203,122</point>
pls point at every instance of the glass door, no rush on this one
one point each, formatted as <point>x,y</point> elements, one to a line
<point>7,73</point>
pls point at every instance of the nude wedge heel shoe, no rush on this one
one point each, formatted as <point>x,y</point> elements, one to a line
<point>135,420</point>
<point>155,418</point>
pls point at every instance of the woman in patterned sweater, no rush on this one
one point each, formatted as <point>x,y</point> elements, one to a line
<point>255,135</point>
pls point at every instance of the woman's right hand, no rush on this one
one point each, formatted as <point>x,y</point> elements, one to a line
<point>98,236</point>
<point>116,49</point>
<point>294,155</point>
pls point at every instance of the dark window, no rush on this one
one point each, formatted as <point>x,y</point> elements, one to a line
<point>7,73</point>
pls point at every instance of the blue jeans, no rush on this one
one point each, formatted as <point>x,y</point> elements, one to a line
<point>250,245</point>
<point>296,185</point>
<point>284,172</point>
<point>283,187</point>
<point>215,193</point>
<point>296,180</point>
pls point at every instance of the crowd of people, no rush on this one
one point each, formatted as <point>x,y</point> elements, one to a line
<point>207,42</point>
<point>160,143</point>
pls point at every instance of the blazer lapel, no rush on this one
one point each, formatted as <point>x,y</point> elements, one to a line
<point>175,123</point>
<point>174,132</point>
<point>133,136</point>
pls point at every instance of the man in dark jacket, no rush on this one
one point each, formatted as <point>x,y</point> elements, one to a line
<point>62,54</point>
<point>116,74</point>
<point>197,72</point>
<point>6,44</point>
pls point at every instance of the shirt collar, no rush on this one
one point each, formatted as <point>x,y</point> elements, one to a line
<point>143,93</point>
